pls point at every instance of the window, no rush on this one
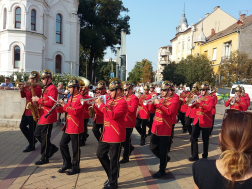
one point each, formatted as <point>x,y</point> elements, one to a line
<point>33,20</point>
<point>189,44</point>
<point>214,54</point>
<point>183,45</point>
<point>58,28</point>
<point>205,53</point>
<point>18,17</point>
<point>4,18</point>
<point>16,57</point>
<point>228,49</point>
<point>58,64</point>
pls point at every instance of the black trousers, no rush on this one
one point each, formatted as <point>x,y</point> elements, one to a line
<point>141,127</point>
<point>159,147</point>
<point>182,119</point>
<point>64,149</point>
<point>151,121</point>
<point>188,124</point>
<point>127,144</point>
<point>28,131</point>
<point>43,134</point>
<point>109,154</point>
<point>194,140</point>
<point>83,136</point>
<point>171,138</point>
<point>212,124</point>
<point>96,130</point>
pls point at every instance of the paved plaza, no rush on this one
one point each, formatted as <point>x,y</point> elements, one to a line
<point>17,169</point>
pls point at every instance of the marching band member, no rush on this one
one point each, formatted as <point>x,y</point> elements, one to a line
<point>84,88</point>
<point>73,128</point>
<point>114,132</point>
<point>190,112</point>
<point>237,102</point>
<point>44,127</point>
<point>183,107</point>
<point>246,98</point>
<point>202,122</point>
<point>152,108</point>
<point>213,94</point>
<point>99,116</point>
<point>129,120</point>
<point>27,118</point>
<point>143,114</point>
<point>162,127</point>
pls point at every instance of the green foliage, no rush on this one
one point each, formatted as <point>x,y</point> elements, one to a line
<point>23,77</point>
<point>190,70</point>
<point>101,22</point>
<point>142,72</point>
<point>103,70</point>
<point>237,68</point>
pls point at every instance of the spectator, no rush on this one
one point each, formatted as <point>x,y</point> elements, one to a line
<point>141,89</point>
<point>61,93</point>
<point>158,89</point>
<point>233,169</point>
<point>6,85</point>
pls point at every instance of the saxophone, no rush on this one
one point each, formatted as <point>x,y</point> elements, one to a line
<point>33,107</point>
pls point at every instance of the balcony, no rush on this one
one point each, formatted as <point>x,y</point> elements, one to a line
<point>164,62</point>
<point>163,53</point>
<point>225,58</point>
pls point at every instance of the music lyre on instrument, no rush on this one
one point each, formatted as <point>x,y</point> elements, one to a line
<point>234,99</point>
<point>194,100</point>
<point>153,98</point>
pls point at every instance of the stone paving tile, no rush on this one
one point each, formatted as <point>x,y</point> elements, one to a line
<point>179,171</point>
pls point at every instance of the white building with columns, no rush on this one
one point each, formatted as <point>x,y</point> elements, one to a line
<point>39,34</point>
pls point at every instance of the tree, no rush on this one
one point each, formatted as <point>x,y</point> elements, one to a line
<point>103,70</point>
<point>101,22</point>
<point>189,70</point>
<point>237,68</point>
<point>172,73</point>
<point>142,72</point>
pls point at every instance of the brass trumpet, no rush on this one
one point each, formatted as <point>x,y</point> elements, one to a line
<point>194,100</point>
<point>234,99</point>
<point>27,84</point>
<point>88,99</point>
<point>153,98</point>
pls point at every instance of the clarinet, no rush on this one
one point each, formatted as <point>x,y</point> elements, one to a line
<point>56,105</point>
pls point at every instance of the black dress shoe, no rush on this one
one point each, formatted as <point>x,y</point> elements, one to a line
<point>73,171</point>
<point>106,183</point>
<point>64,168</point>
<point>41,162</point>
<point>158,174</point>
<point>124,161</point>
<point>142,143</point>
<point>82,143</point>
<point>193,158</point>
<point>110,186</point>
<point>29,149</point>
<point>53,150</point>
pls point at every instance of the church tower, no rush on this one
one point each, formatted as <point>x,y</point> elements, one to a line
<point>183,25</point>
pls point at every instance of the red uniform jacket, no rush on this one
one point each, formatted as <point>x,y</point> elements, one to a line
<point>26,93</point>
<point>174,115</point>
<point>152,107</point>
<point>162,124</point>
<point>86,105</point>
<point>247,99</point>
<point>143,112</point>
<point>130,118</point>
<point>241,105</point>
<point>204,112</point>
<point>184,106</point>
<point>75,115</point>
<point>46,104</point>
<point>114,129</point>
<point>215,102</point>
<point>99,116</point>
<point>191,111</point>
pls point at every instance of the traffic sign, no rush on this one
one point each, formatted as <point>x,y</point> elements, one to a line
<point>111,74</point>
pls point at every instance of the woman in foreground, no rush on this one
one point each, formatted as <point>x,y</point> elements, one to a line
<point>233,169</point>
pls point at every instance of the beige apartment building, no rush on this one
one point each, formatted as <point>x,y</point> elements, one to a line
<point>164,56</point>
<point>183,42</point>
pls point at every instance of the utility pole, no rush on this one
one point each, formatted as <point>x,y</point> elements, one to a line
<point>123,55</point>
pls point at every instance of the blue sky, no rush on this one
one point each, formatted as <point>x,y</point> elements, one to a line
<point>153,23</point>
